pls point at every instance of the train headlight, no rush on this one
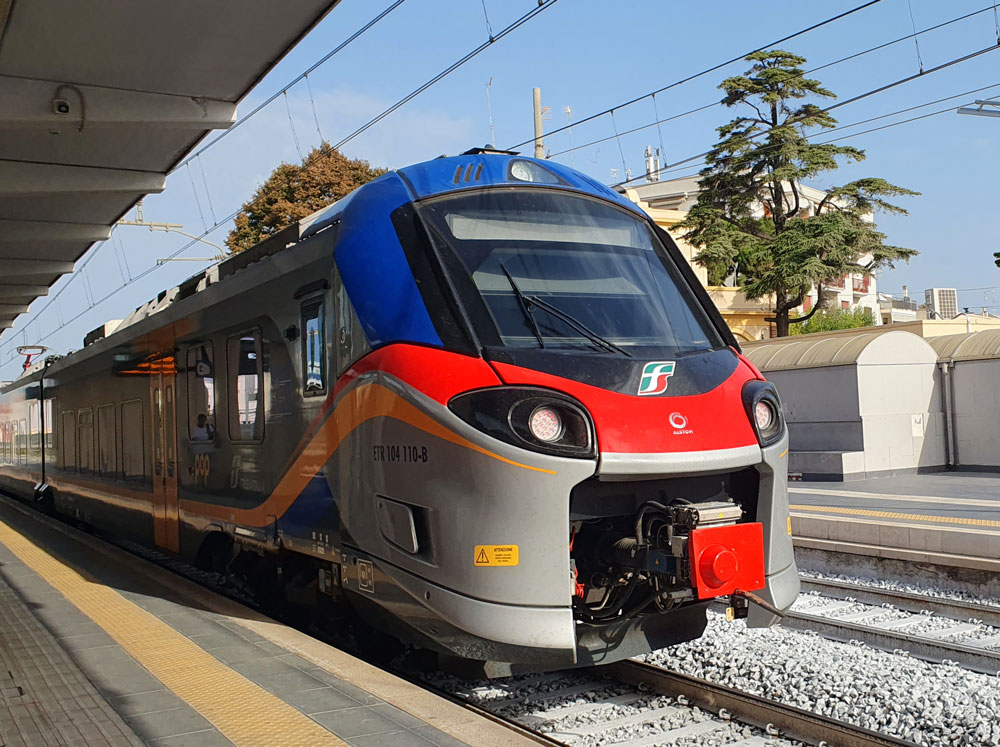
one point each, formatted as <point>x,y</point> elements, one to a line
<point>764,410</point>
<point>765,415</point>
<point>545,424</point>
<point>529,171</point>
<point>532,418</point>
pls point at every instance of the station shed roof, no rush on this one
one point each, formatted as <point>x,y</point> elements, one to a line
<point>970,346</point>
<point>866,348</point>
<point>101,100</point>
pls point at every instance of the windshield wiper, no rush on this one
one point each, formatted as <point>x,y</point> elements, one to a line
<point>522,301</point>
<point>576,324</point>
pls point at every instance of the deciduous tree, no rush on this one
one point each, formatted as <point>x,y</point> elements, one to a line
<point>751,213</point>
<point>293,191</point>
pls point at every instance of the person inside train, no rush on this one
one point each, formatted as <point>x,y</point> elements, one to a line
<point>203,430</point>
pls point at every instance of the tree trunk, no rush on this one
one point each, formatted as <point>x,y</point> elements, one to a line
<point>781,323</point>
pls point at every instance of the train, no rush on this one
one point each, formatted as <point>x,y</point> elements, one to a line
<point>481,406</point>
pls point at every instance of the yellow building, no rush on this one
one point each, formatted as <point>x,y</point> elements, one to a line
<point>745,318</point>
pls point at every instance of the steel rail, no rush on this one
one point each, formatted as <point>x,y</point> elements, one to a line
<point>904,600</point>
<point>978,659</point>
<point>770,715</point>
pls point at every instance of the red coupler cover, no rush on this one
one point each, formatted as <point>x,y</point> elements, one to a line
<point>727,558</point>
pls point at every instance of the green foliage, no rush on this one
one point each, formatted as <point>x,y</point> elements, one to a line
<point>828,321</point>
<point>751,211</point>
<point>293,191</point>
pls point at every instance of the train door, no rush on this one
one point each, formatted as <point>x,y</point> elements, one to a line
<point>162,382</point>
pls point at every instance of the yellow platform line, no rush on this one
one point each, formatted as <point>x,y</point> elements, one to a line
<point>242,710</point>
<point>898,515</point>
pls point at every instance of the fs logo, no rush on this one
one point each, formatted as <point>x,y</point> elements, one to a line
<point>654,377</point>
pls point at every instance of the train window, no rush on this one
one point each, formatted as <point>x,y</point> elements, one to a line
<point>246,387</point>
<point>69,441</point>
<point>313,348</point>
<point>4,442</point>
<point>48,424</point>
<point>133,438</point>
<point>22,449</point>
<point>107,441</point>
<point>201,392</point>
<point>34,426</point>
<point>85,440</point>
<point>548,269</point>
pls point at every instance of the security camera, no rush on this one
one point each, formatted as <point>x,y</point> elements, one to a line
<point>60,106</point>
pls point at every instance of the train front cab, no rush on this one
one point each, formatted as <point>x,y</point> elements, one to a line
<point>570,459</point>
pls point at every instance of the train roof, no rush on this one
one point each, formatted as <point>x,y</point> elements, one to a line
<point>474,169</point>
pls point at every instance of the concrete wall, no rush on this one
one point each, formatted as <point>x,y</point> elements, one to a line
<point>864,407</point>
<point>831,422</point>
<point>977,409</point>
<point>903,416</point>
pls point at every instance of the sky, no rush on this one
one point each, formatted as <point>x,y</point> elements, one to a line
<point>587,56</point>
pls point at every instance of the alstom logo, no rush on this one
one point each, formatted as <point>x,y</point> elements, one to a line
<point>654,377</point>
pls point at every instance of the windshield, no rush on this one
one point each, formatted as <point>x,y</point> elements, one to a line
<point>548,269</point>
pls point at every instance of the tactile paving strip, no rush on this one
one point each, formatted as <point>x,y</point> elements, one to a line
<point>44,697</point>
<point>241,710</point>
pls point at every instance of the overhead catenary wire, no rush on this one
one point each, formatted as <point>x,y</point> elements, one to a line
<point>853,99</point>
<point>878,47</point>
<point>706,71</point>
<point>540,7</point>
<point>694,169</point>
<point>312,68</point>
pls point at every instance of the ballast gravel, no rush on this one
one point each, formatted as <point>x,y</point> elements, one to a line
<point>908,588</point>
<point>928,704</point>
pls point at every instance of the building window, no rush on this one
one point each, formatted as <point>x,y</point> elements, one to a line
<point>246,387</point>
<point>133,452</point>
<point>107,441</point>
<point>201,392</point>
<point>845,305</point>
<point>313,348</point>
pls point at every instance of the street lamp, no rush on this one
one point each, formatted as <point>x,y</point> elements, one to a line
<point>979,111</point>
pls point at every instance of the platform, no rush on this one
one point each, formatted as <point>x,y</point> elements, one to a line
<point>945,518</point>
<point>98,647</point>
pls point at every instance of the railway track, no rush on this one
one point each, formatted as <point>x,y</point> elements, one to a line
<point>642,705</point>
<point>626,703</point>
<point>930,628</point>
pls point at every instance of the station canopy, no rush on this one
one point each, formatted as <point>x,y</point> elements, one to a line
<point>99,100</point>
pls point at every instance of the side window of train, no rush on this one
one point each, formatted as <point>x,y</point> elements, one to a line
<point>34,426</point>
<point>69,440</point>
<point>85,440</point>
<point>133,439</point>
<point>23,446</point>
<point>313,348</point>
<point>107,441</point>
<point>4,443</point>
<point>201,392</point>
<point>247,354</point>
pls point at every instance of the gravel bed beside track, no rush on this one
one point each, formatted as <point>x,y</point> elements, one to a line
<point>923,703</point>
<point>880,583</point>
<point>579,710</point>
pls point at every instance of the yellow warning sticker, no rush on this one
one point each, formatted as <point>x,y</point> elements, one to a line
<point>486,555</point>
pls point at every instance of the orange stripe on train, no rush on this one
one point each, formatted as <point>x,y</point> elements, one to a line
<point>357,406</point>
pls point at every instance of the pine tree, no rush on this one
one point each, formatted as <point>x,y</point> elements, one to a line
<point>293,191</point>
<point>750,212</point>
